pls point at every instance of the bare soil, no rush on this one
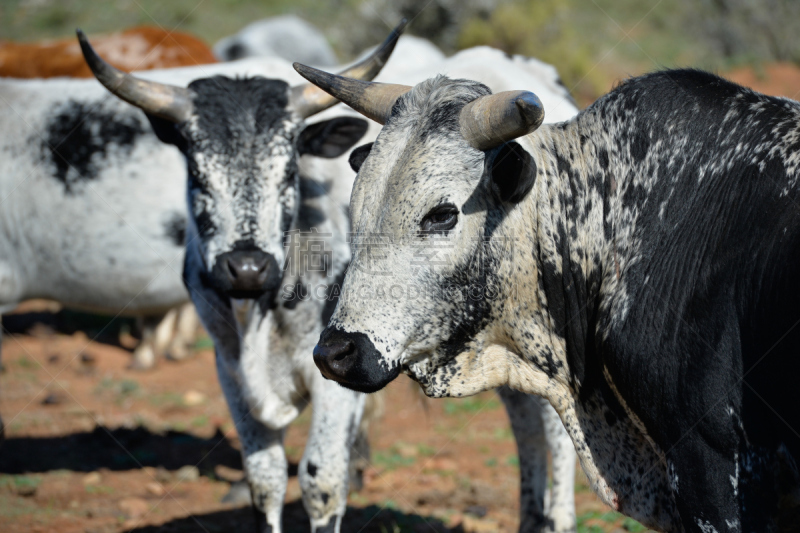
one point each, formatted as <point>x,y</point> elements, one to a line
<point>94,446</point>
<point>776,79</point>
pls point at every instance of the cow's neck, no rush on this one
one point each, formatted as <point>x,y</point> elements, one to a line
<point>559,226</point>
<point>562,264</point>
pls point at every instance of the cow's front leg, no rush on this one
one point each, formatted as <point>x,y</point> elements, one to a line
<point>525,414</point>
<point>323,471</point>
<point>263,456</point>
<point>562,495</point>
<point>144,356</point>
<point>183,340</point>
<point>267,473</point>
<point>536,428</point>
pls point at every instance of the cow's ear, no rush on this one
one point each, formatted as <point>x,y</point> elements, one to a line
<point>167,132</point>
<point>513,173</point>
<point>358,156</point>
<point>331,138</point>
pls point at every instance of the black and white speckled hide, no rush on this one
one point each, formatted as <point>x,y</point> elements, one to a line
<point>93,204</point>
<point>645,286</point>
<point>385,299</point>
<point>249,186</point>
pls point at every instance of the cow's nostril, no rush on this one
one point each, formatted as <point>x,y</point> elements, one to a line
<point>345,352</point>
<point>232,270</point>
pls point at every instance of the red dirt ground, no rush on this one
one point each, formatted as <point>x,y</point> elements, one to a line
<point>93,446</point>
<point>777,79</point>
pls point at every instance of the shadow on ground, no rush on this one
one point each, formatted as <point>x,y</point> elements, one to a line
<point>102,328</point>
<point>371,519</point>
<point>116,449</point>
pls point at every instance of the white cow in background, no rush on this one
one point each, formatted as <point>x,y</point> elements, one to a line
<point>286,36</point>
<point>92,209</point>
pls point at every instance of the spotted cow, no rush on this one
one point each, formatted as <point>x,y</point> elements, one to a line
<point>92,211</point>
<point>535,424</point>
<point>636,266</point>
<point>264,187</point>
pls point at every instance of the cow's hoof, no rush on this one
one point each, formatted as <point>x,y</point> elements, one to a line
<point>261,521</point>
<point>330,527</point>
<point>144,358</point>
<point>178,351</point>
<point>239,493</point>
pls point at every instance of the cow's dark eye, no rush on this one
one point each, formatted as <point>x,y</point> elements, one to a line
<point>440,219</point>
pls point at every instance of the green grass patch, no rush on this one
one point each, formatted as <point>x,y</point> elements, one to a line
<point>21,482</point>
<point>120,389</point>
<point>391,459</point>
<point>199,421</point>
<point>128,387</point>
<point>99,489</point>
<point>204,343</point>
<point>426,450</point>
<point>26,362</point>
<point>165,399</point>
<point>629,524</point>
<point>503,434</point>
<point>588,522</point>
<point>469,405</point>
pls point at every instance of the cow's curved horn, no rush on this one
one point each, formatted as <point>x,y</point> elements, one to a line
<point>491,120</point>
<point>166,101</point>
<point>308,99</point>
<point>371,99</point>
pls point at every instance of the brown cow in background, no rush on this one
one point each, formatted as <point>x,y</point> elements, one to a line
<point>138,48</point>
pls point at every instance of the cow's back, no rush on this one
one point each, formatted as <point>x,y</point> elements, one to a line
<point>93,204</point>
<point>706,232</point>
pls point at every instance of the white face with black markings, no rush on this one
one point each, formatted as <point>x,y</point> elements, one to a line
<point>424,281</point>
<point>241,144</point>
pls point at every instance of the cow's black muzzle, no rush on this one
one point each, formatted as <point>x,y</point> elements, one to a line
<point>352,360</point>
<point>246,273</point>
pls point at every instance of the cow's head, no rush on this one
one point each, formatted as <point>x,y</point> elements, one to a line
<point>242,139</point>
<point>423,283</point>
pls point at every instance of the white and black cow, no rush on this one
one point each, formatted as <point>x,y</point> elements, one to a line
<point>636,266</point>
<point>92,210</point>
<point>324,212</point>
<point>264,188</point>
<point>535,424</point>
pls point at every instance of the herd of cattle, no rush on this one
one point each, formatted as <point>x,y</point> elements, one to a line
<point>622,276</point>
